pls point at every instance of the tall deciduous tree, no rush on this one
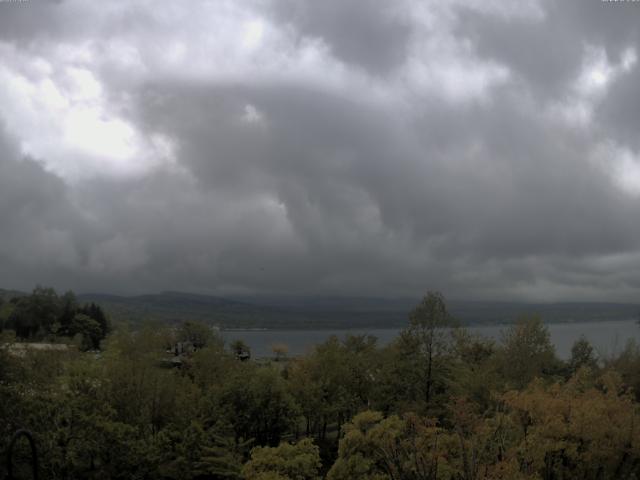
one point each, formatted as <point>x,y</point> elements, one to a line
<point>582,355</point>
<point>527,352</point>
<point>418,364</point>
<point>199,334</point>
<point>87,329</point>
<point>35,314</point>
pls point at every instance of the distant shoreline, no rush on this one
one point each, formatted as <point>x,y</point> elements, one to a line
<point>400,327</point>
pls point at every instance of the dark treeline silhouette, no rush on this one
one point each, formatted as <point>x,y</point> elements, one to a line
<point>437,403</point>
<point>45,315</point>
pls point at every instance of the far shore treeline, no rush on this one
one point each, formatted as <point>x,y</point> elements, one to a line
<point>174,402</point>
<point>46,316</point>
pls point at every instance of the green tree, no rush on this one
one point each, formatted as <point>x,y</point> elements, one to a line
<point>3,314</point>
<point>68,310</point>
<point>199,334</point>
<point>334,381</point>
<point>141,394</point>
<point>377,448</point>
<point>257,403</point>
<point>527,352</point>
<point>95,311</point>
<point>222,458</point>
<point>473,373</point>
<point>582,355</point>
<point>212,366</point>
<point>35,315</point>
<point>418,363</point>
<point>429,325</point>
<point>627,365</point>
<point>88,330</point>
<point>300,461</point>
<point>240,349</point>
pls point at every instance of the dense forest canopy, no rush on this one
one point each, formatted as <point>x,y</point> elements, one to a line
<point>438,403</point>
<point>45,315</point>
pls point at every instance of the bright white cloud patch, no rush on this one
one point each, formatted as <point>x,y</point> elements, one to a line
<point>596,73</point>
<point>65,118</point>
<point>252,115</point>
<point>627,170</point>
<point>592,84</point>
<point>253,33</point>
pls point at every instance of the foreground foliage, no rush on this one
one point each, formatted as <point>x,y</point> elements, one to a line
<point>437,404</point>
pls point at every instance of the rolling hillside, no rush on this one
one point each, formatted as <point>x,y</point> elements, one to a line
<point>334,312</point>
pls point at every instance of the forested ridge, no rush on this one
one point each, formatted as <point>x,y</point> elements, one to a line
<point>437,403</point>
<point>318,312</point>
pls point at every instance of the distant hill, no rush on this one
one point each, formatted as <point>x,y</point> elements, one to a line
<point>265,311</point>
<point>170,307</point>
<point>507,312</point>
<point>9,294</point>
<point>306,312</point>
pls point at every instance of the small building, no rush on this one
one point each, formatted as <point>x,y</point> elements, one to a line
<point>180,351</point>
<point>183,348</point>
<point>243,356</point>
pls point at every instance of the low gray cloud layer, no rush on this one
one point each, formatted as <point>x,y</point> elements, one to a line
<point>481,148</point>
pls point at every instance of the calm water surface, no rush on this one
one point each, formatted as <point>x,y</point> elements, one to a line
<point>607,337</point>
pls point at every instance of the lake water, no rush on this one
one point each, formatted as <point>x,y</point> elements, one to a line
<point>606,337</point>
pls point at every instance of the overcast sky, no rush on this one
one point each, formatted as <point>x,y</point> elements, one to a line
<point>487,149</point>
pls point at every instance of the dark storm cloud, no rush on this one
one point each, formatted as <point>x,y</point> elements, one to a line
<point>512,186</point>
<point>546,64</point>
<point>334,147</point>
<point>39,224</point>
<point>619,112</point>
<point>24,21</point>
<point>547,53</point>
<point>371,34</point>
